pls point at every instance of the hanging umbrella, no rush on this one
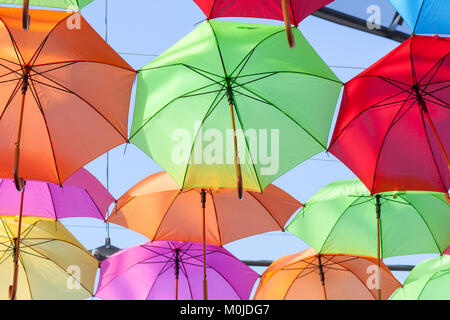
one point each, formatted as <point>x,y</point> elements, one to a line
<point>292,11</point>
<point>311,276</point>
<point>345,218</point>
<point>82,195</point>
<point>164,270</point>
<point>425,16</point>
<point>53,265</point>
<point>233,107</point>
<point>157,208</point>
<point>64,4</point>
<point>429,280</point>
<point>447,251</point>
<point>73,101</point>
<point>392,130</point>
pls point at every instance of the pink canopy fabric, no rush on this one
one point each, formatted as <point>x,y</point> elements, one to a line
<point>148,272</point>
<point>447,251</point>
<point>81,196</point>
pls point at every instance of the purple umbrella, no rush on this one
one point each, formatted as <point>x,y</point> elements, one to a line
<point>81,196</point>
<point>170,270</point>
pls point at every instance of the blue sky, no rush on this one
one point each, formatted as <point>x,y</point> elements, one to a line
<point>152,26</point>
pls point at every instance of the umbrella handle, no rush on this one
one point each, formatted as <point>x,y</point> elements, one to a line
<point>18,181</point>
<point>288,24</point>
<point>26,15</point>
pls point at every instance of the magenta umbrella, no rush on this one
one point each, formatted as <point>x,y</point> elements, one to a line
<point>447,251</point>
<point>80,196</point>
<point>171,270</point>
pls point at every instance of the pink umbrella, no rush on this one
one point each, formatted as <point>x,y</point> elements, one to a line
<point>81,196</point>
<point>447,251</point>
<point>170,270</point>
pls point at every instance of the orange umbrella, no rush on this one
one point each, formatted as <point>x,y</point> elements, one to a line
<point>64,98</point>
<point>310,276</point>
<point>157,208</point>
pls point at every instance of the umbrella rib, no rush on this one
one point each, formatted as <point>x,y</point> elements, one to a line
<point>218,49</point>
<point>16,48</point>
<point>418,17</point>
<point>165,215</point>
<point>95,204</point>
<point>267,210</point>
<point>41,109</point>
<point>431,150</point>
<point>285,114</point>
<point>71,62</point>
<point>291,72</point>
<point>425,222</point>
<point>156,279</point>
<point>27,278</point>
<point>213,106</point>
<point>89,104</point>
<point>11,98</point>
<point>195,69</point>
<point>217,217</point>
<point>394,122</point>
<point>440,103</point>
<point>184,270</point>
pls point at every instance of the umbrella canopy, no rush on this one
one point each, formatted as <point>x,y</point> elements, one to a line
<point>63,4</point>
<point>53,264</point>
<point>429,280</point>
<point>233,106</point>
<point>447,251</point>
<point>165,270</point>
<point>64,92</point>
<point>82,195</point>
<point>342,218</point>
<point>425,16</point>
<point>310,276</point>
<point>157,208</point>
<point>266,9</point>
<point>392,130</point>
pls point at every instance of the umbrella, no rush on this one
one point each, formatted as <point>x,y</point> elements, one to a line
<point>429,280</point>
<point>52,263</point>
<point>157,208</point>
<point>82,195</point>
<point>345,218</point>
<point>233,107</point>
<point>73,101</point>
<point>292,12</point>
<point>392,130</point>
<point>447,251</point>
<point>164,270</point>
<point>424,16</point>
<point>311,276</point>
<point>64,4</point>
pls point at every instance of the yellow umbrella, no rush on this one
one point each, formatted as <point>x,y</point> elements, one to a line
<point>53,265</point>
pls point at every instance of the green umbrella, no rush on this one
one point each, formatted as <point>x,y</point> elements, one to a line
<point>430,280</point>
<point>345,218</point>
<point>63,4</point>
<point>230,105</point>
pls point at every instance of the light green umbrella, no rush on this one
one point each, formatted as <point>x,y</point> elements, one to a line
<point>231,105</point>
<point>63,4</point>
<point>429,280</point>
<point>345,218</point>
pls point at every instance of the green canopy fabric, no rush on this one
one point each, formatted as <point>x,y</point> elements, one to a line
<point>283,100</point>
<point>429,280</point>
<point>341,218</point>
<point>63,4</point>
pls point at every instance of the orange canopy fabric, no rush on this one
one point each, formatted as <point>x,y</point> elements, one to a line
<point>298,277</point>
<point>77,100</point>
<point>158,209</point>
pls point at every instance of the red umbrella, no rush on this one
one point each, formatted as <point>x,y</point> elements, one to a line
<point>292,11</point>
<point>393,128</point>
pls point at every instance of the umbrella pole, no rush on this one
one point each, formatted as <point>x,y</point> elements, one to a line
<point>237,162</point>
<point>378,210</point>
<point>322,277</point>
<point>25,15</point>
<point>287,23</point>
<point>205,281</point>
<point>177,271</point>
<point>13,287</point>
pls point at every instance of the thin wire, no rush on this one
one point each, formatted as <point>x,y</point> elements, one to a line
<point>107,154</point>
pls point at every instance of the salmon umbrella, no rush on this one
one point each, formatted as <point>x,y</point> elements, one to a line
<point>167,270</point>
<point>425,16</point>
<point>80,196</point>
<point>64,97</point>
<point>345,218</point>
<point>311,276</point>
<point>429,280</point>
<point>157,208</point>
<point>292,11</point>
<point>53,264</point>
<point>233,107</point>
<point>392,130</point>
